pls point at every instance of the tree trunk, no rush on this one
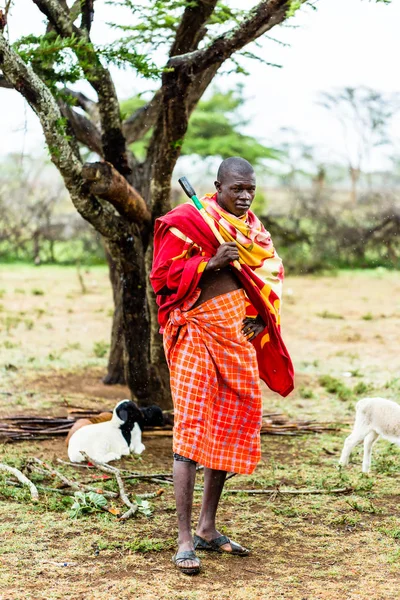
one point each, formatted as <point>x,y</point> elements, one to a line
<point>115,367</point>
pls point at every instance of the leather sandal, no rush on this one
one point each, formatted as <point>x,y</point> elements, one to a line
<point>181,557</point>
<point>215,545</point>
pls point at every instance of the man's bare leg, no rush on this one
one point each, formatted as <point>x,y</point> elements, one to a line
<point>184,478</point>
<point>213,485</point>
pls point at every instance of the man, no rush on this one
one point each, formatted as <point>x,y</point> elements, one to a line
<point>219,313</point>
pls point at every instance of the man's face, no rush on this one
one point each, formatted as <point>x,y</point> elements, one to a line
<point>236,192</point>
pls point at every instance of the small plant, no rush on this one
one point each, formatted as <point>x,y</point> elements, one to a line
<point>87,502</point>
<point>39,312</point>
<point>37,292</point>
<point>29,324</point>
<point>364,507</point>
<point>54,356</point>
<point>100,349</point>
<point>2,292</point>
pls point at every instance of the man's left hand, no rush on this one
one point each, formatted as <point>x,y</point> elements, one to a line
<point>252,326</point>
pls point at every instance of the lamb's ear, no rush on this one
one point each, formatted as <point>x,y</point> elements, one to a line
<point>122,412</point>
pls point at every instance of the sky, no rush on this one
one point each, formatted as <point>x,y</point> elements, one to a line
<point>342,43</point>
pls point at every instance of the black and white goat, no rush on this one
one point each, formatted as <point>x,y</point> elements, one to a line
<point>112,439</point>
<point>374,417</point>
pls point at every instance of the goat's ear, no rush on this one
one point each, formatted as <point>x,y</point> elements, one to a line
<point>122,413</point>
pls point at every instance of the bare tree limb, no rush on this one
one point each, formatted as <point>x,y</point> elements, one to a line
<point>4,83</point>
<point>84,130</point>
<point>191,29</point>
<point>138,124</point>
<point>85,103</point>
<point>23,479</point>
<point>105,182</point>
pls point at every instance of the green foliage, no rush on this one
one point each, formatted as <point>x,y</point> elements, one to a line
<point>214,130</point>
<point>100,349</point>
<point>87,502</point>
<point>335,386</point>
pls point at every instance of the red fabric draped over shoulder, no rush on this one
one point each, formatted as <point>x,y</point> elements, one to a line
<point>183,244</point>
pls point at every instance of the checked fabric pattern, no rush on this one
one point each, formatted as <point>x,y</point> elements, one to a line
<point>215,384</point>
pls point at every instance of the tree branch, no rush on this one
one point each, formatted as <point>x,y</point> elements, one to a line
<point>114,146</point>
<point>105,182</point>
<point>84,130</point>
<point>191,29</point>
<point>39,97</point>
<point>263,17</point>
<point>4,83</point>
<point>85,103</point>
<point>190,32</point>
<point>138,124</point>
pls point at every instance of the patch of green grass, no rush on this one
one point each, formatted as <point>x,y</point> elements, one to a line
<point>37,292</point>
<point>345,519</point>
<point>29,324</point>
<point>368,317</point>
<point>326,314</point>
<point>335,386</point>
<point>306,393</point>
<point>2,292</point>
<point>142,545</point>
<point>362,388</point>
<point>10,345</point>
<point>100,349</point>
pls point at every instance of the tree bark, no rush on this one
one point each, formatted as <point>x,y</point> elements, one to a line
<point>115,368</point>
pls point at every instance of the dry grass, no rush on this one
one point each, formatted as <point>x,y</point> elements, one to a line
<point>309,547</point>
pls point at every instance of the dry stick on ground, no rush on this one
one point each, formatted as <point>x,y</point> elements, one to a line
<point>23,479</point>
<point>73,484</point>
<point>133,508</point>
<point>278,491</point>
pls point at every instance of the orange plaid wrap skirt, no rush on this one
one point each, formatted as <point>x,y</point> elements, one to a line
<point>215,384</point>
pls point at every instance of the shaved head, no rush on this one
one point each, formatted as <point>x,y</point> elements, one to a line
<point>235,164</point>
<point>236,185</point>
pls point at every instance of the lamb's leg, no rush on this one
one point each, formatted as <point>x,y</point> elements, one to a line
<point>368,442</point>
<point>356,437</point>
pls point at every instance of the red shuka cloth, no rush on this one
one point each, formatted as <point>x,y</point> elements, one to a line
<point>179,263</point>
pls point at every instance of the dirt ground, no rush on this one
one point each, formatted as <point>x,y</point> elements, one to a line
<point>53,348</point>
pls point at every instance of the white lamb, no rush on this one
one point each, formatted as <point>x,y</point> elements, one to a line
<point>374,417</point>
<point>110,440</point>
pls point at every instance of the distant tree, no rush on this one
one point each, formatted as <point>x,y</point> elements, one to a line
<point>214,129</point>
<point>364,115</point>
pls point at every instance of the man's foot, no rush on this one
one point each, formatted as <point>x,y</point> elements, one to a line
<point>186,560</point>
<point>219,543</point>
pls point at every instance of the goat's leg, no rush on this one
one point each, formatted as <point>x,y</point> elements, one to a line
<point>356,437</point>
<point>368,443</point>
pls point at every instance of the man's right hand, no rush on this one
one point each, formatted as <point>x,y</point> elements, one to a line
<point>225,255</point>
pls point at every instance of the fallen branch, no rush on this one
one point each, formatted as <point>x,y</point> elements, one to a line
<point>23,479</point>
<point>277,491</point>
<point>133,508</point>
<point>73,484</point>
